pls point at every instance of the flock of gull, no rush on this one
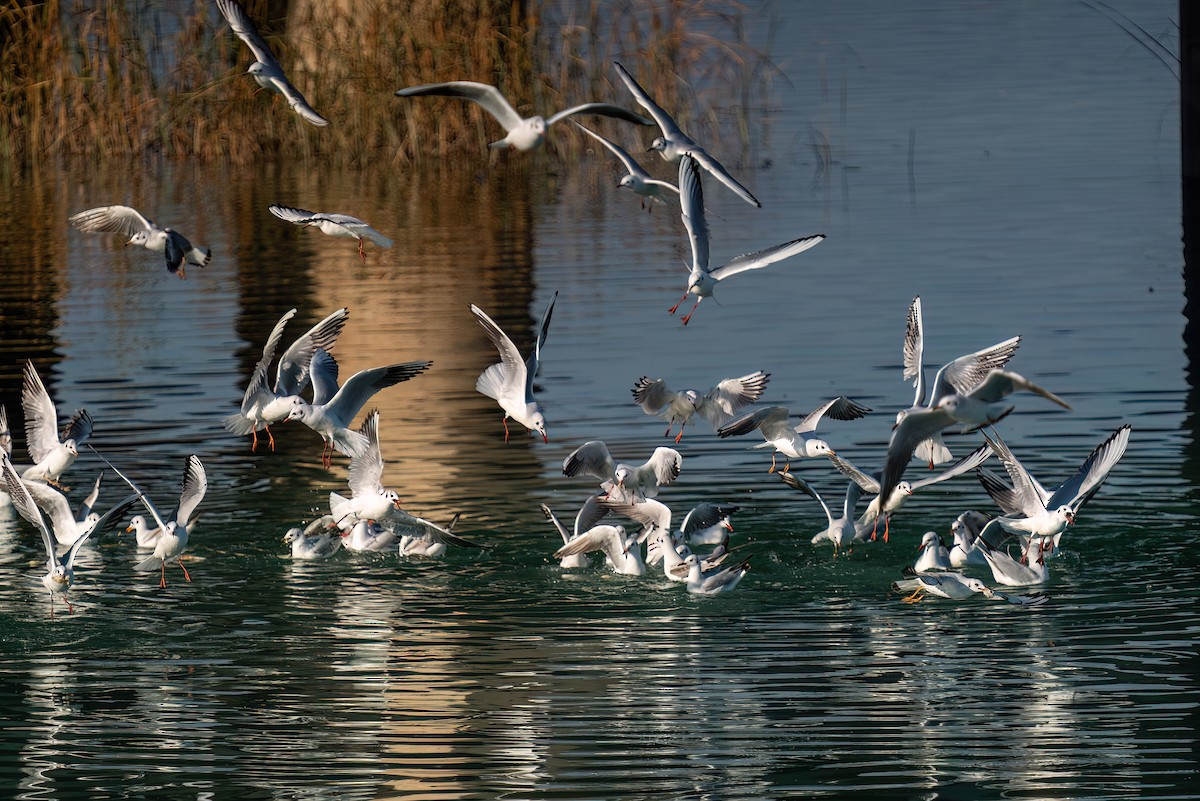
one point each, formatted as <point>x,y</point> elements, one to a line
<point>969,395</point>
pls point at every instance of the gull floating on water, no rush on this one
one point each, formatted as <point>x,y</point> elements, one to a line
<point>960,375</point>
<point>320,539</point>
<point>715,581</point>
<point>369,499</point>
<point>523,133</point>
<point>366,536</point>
<point>333,408</point>
<point>708,523</point>
<point>420,537</point>
<point>932,554</point>
<point>702,280</point>
<point>674,143</point>
<point>264,404</point>
<point>716,406</point>
<point>333,225</point>
<point>622,550</point>
<point>839,530</point>
<point>620,481</point>
<point>964,531</point>
<point>636,178</point>
<point>266,69</point>
<point>60,571</point>
<point>794,442</point>
<point>509,382</point>
<point>571,561</point>
<point>174,246</point>
<point>51,457</point>
<point>956,586</point>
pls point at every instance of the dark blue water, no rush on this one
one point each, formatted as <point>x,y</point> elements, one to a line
<point>1017,167</point>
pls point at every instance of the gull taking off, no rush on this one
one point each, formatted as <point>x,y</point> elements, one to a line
<point>509,382</point>
<point>174,246</point>
<point>333,225</point>
<point>523,133</point>
<point>794,442</point>
<point>716,406</point>
<point>50,457</point>
<point>623,482</point>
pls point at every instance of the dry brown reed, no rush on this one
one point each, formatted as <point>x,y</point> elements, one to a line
<point>97,80</point>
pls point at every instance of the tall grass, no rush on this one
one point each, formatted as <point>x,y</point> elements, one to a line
<point>121,78</point>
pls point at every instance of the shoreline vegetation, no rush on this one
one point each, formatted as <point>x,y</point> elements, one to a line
<point>128,79</point>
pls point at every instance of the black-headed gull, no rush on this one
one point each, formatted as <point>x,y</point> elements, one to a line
<point>366,536</point>
<point>960,375</point>
<point>708,523</point>
<point>320,539</point>
<point>333,225</point>
<point>838,530</point>
<point>636,178</point>
<point>266,69</point>
<point>174,246</point>
<point>622,549</point>
<point>956,586</point>
<point>522,133</point>
<point>509,382</point>
<point>174,536</point>
<point>673,144</point>
<point>265,403</point>
<point>145,536</point>
<point>51,457</point>
<point>717,406</point>
<point>369,499</point>
<point>983,405</point>
<point>932,554</point>
<point>964,531</point>
<point>60,571</point>
<point>574,560</point>
<point>794,442</point>
<point>420,537</point>
<point>715,581</point>
<point>69,527</point>
<point>900,492</point>
<point>702,278</point>
<point>1030,569</point>
<point>333,408</point>
<point>620,481</point>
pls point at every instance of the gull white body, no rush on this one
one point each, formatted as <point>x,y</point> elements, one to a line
<point>717,405</point>
<point>794,442</point>
<point>933,555</point>
<point>623,552</point>
<point>964,531</point>
<point>624,482</point>
<point>320,539</point>
<point>636,179</point>
<point>175,247</point>
<point>714,582</point>
<point>51,456</point>
<point>509,382</point>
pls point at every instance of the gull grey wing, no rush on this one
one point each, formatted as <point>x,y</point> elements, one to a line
<point>591,458</point>
<point>606,109</point>
<point>297,102</point>
<point>512,373</point>
<point>562,530</point>
<point>80,427</point>
<point>650,513</point>
<point>866,481</point>
<point>795,482</point>
<point>323,373</point>
<point>195,485</point>
<point>652,394</point>
<point>55,505</point>
<point>235,15</point>
<point>761,258</point>
<point>665,123</point>
<point>967,372</point>
<point>718,171</point>
<point>85,508</point>
<point>106,520</point>
<point>664,465</point>
<point>292,372</point>
<point>915,428</point>
<point>591,513</point>
<point>112,219</point>
<point>772,420</point>
<point>534,362</point>
<point>1004,496</point>
<point>999,384</point>
<point>731,395</point>
<point>968,462</point>
<point>626,160</point>
<point>365,383</point>
<point>25,506</point>
<point>258,391</point>
<point>365,474</point>
<point>488,97</point>
<point>294,215</point>
<point>691,206</point>
<point>703,515</point>
<point>1027,492</point>
<point>1078,489</point>
<point>840,408</point>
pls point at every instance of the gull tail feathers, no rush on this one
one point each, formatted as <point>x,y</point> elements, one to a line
<point>148,564</point>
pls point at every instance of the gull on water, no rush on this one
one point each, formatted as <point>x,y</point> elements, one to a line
<point>794,442</point>
<point>60,570</point>
<point>715,581</point>
<point>51,457</point>
<point>982,406</point>
<point>366,536</point>
<point>655,518</point>
<point>716,406</point>
<point>173,538</point>
<point>932,554</point>
<point>840,530</point>
<point>333,408</point>
<point>673,144</point>
<point>522,133</point>
<point>509,382</point>
<point>174,246</point>
<point>964,531</point>
<point>574,560</point>
<point>702,279</point>
<point>369,499</point>
<point>956,586</point>
<point>636,178</point>
<point>333,225</point>
<point>265,403</point>
<point>623,551</point>
<point>708,523</point>
<point>1030,569</point>
<point>673,560</point>
<point>420,537</point>
<point>621,481</point>
<point>960,375</point>
<point>320,539</point>
<point>266,69</point>
<point>902,489</point>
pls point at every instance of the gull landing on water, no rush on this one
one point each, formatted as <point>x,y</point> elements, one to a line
<point>523,133</point>
<point>794,442</point>
<point>333,225</point>
<point>174,246</point>
<point>267,71</point>
<point>509,382</point>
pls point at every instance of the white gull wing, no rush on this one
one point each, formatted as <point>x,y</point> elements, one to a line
<point>41,418</point>
<point>661,118</point>
<point>999,384</point>
<point>591,458</point>
<point>772,421</point>
<point>653,394</point>
<point>258,391</point>
<point>509,378</point>
<point>235,15</point>
<point>761,258</point>
<point>691,207</point>
<point>361,386</point>
<point>113,219</point>
<point>489,97</point>
<point>840,408</point>
<point>731,395</point>
<point>967,372</point>
<point>562,530</point>
<point>365,474</point>
<point>661,468</point>
<point>85,508</point>
<point>1078,489</point>
<point>630,164</point>
<point>861,479</point>
<point>651,514</point>
<point>352,225</point>
<point>916,427</point>
<point>608,539</point>
<point>1029,496</point>
<point>56,507</point>
<point>795,482</point>
<point>914,350</point>
<point>191,492</point>
<point>28,509</point>
<point>963,465</point>
<point>605,109</point>
<point>323,373</point>
<point>292,373</point>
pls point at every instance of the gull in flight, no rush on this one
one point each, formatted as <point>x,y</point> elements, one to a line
<point>6,448</point>
<point>622,550</point>
<point>840,530</point>
<point>982,406</point>
<point>320,539</point>
<point>369,499</point>
<point>333,408</point>
<point>674,143</point>
<point>69,527</point>
<point>509,382</point>
<point>636,178</point>
<point>900,492</point>
<point>702,280</point>
<point>716,406</point>
<point>794,442</point>
<point>957,587</point>
<point>51,457</point>
<point>60,573</point>
<point>333,225</point>
<point>620,481</point>
<point>960,375</point>
<point>523,133</point>
<point>267,71</point>
<point>130,222</point>
<point>173,538</point>
<point>264,403</point>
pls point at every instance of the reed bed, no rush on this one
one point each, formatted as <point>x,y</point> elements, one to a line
<point>127,78</point>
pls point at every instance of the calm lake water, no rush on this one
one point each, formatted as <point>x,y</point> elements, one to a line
<point>1015,165</point>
